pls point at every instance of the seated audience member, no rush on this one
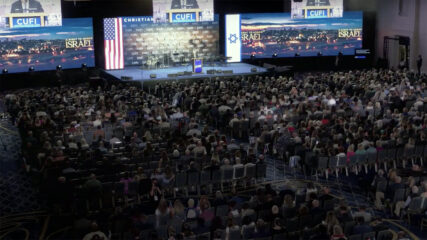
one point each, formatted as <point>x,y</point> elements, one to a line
<point>337,233</point>
<point>231,226</point>
<point>321,233</point>
<point>95,233</point>
<point>363,213</point>
<point>361,226</point>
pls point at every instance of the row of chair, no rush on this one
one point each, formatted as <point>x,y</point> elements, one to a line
<point>386,158</point>
<point>249,172</point>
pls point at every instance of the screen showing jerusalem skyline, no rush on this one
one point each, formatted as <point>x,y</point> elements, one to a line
<point>69,45</point>
<point>264,35</point>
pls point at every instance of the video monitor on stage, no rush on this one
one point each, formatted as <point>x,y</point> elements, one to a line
<point>69,45</point>
<point>138,41</point>
<point>179,11</point>
<point>30,13</point>
<point>312,9</point>
<point>278,35</point>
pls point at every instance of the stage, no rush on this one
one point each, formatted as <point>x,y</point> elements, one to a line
<point>184,72</point>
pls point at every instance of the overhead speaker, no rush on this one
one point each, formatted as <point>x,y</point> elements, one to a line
<point>210,71</point>
<point>188,73</point>
<point>172,75</point>
<point>153,75</point>
<point>227,71</point>
<point>254,69</point>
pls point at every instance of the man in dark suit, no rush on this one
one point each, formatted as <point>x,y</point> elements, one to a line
<point>184,4</point>
<point>26,6</point>
<point>361,227</point>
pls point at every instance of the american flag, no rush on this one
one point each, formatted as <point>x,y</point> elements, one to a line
<point>113,43</point>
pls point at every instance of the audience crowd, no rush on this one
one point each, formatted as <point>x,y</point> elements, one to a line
<point>125,149</point>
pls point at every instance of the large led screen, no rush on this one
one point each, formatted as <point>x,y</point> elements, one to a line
<point>265,35</point>
<point>70,46</point>
<point>317,9</point>
<point>138,41</point>
<point>30,13</point>
<point>183,10</point>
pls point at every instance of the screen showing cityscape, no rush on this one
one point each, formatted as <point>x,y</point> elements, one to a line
<point>69,45</point>
<point>138,41</point>
<point>265,35</point>
<point>30,13</point>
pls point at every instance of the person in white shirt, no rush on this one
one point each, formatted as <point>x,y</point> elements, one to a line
<point>95,233</point>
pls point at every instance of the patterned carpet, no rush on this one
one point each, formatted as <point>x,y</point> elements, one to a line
<point>17,194</point>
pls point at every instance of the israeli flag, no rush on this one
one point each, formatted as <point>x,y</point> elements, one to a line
<point>233,38</point>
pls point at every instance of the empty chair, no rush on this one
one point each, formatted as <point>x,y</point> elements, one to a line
<point>234,234</point>
<point>280,236</point>
<point>239,172</point>
<point>222,210</point>
<point>261,171</point>
<point>323,163</point>
<point>417,206</point>
<point>216,176</point>
<point>226,176</point>
<point>205,178</point>
<point>181,181</point>
<point>355,237</point>
<point>348,227</point>
<point>250,170</point>
<point>204,236</point>
<point>119,189</point>
<point>248,232</point>
<point>385,235</point>
<point>193,179</point>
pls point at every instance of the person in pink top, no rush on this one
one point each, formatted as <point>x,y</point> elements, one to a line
<point>350,152</point>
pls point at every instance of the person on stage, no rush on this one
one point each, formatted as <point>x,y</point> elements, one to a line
<point>184,4</point>
<point>26,6</point>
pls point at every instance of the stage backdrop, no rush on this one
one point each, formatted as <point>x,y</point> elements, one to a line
<point>44,48</point>
<point>137,41</point>
<point>264,35</point>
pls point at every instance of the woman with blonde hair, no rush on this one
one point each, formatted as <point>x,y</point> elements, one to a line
<point>330,221</point>
<point>179,209</point>
<point>337,233</point>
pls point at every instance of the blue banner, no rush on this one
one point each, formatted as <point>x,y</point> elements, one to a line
<point>317,13</point>
<point>184,17</point>
<point>24,22</point>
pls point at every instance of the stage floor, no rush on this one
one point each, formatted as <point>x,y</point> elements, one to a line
<point>138,74</point>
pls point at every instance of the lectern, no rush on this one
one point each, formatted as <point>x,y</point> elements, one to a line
<point>197,65</point>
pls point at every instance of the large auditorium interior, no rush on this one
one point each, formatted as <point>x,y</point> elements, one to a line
<point>213,120</point>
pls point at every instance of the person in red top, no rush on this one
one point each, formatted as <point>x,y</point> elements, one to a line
<point>338,233</point>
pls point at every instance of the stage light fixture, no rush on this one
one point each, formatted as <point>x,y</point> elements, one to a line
<point>31,69</point>
<point>59,68</point>
<point>84,65</point>
<point>5,71</point>
<point>319,54</point>
<point>275,55</point>
<point>297,55</point>
<point>253,56</point>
